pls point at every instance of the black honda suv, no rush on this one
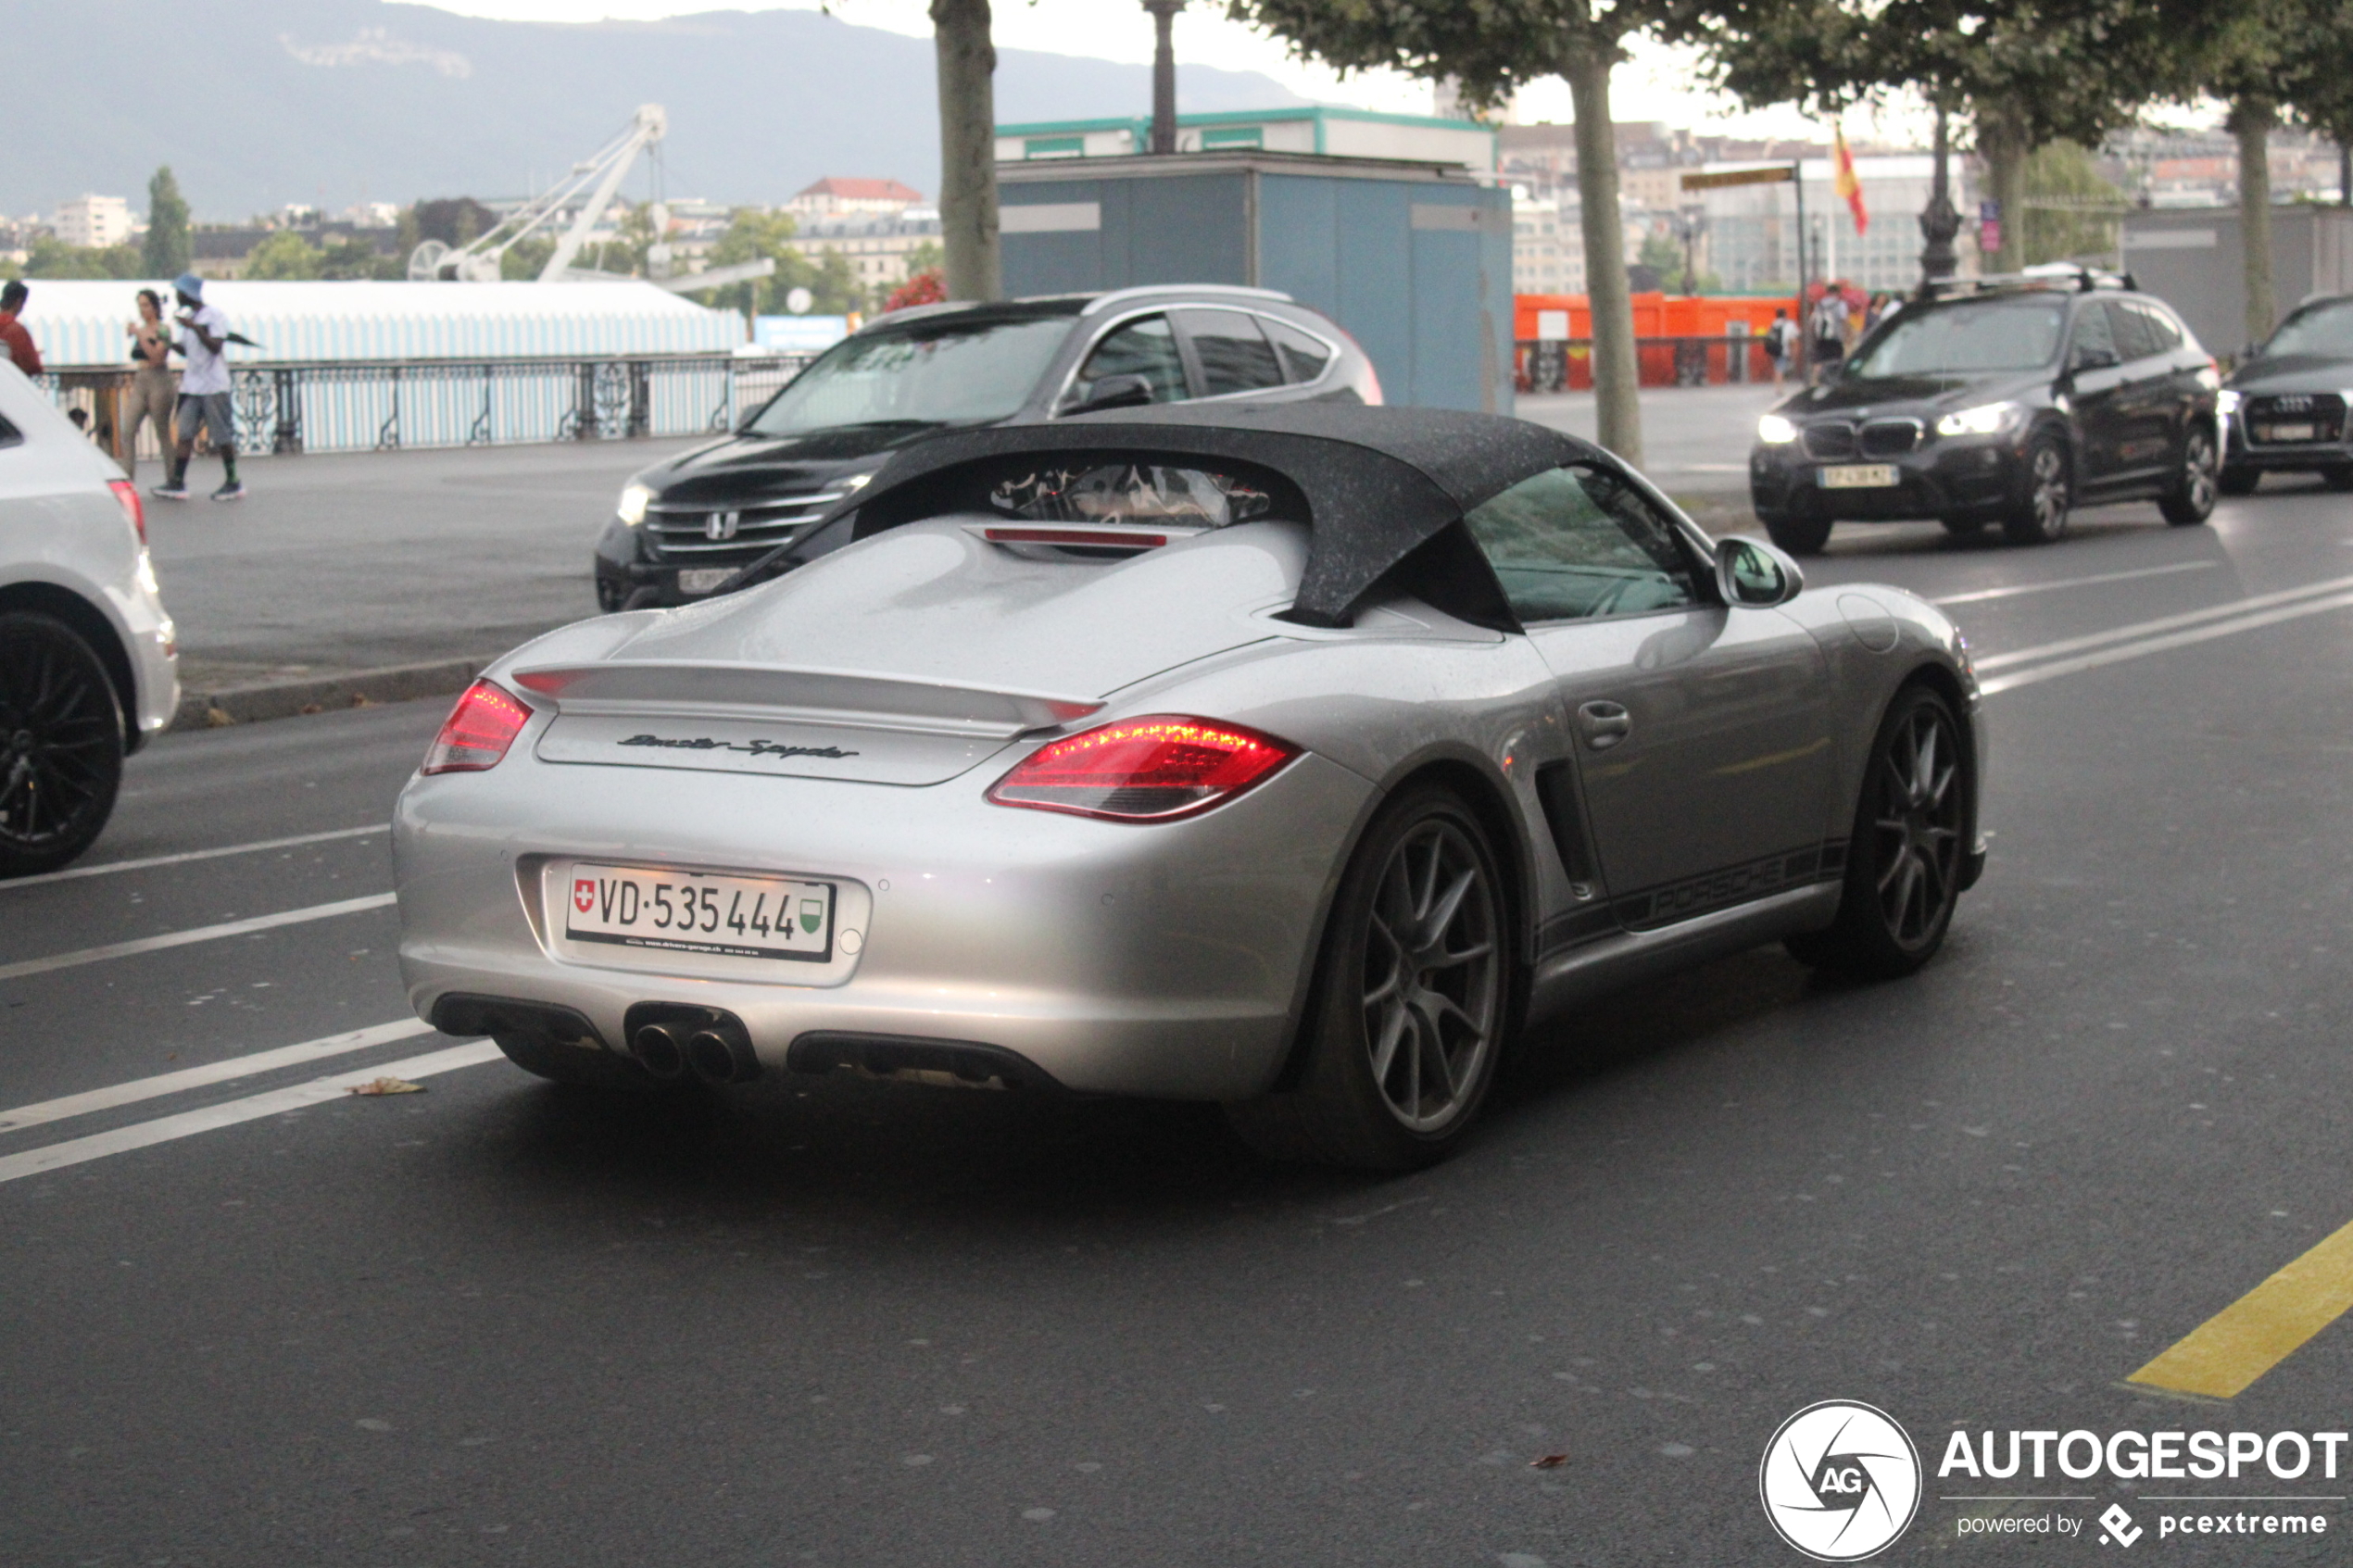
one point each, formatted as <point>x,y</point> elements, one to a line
<point>2006,401</point>
<point>683,525</point>
<point>2283,407</point>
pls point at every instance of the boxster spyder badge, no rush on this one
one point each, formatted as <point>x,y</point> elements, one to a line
<point>1288,758</point>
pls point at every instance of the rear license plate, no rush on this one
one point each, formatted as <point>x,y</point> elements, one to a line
<point>2287,432</point>
<point>703,579</point>
<point>1859,476</point>
<point>736,917</point>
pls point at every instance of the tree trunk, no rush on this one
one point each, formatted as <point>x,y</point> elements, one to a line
<point>967,66</point>
<point>2001,142</point>
<point>1616,401</point>
<point>2250,122</point>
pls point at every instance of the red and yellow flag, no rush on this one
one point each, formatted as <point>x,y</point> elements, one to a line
<point>1847,185</point>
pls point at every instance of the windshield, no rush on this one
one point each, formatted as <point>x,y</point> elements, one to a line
<point>1988,334</point>
<point>2323,330</point>
<point>958,371</point>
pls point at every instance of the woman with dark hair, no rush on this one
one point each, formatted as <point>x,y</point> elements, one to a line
<point>151,393</point>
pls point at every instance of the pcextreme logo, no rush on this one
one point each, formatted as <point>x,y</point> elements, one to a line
<point>1840,1481</point>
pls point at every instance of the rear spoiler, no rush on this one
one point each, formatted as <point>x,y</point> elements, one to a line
<point>832,696</point>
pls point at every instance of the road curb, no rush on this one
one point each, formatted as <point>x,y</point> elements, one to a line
<point>323,694</point>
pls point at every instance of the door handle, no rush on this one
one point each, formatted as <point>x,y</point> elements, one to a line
<point>1604,723</point>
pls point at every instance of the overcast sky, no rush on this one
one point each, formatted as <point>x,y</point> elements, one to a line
<point>1654,85</point>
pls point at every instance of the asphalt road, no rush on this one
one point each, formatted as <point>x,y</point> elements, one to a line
<point>497,1324</point>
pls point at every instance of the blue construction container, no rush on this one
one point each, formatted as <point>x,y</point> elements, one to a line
<point>1414,260</point>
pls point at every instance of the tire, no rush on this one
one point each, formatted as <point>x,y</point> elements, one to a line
<point>587,1068</point>
<point>1800,536</point>
<point>1903,863</point>
<point>1412,989</point>
<point>2191,499</point>
<point>2239,481</point>
<point>61,743</point>
<point>2039,514</point>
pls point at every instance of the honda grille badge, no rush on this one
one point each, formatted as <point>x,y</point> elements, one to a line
<point>722,525</point>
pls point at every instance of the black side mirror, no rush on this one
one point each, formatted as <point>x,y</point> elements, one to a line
<point>1113,391</point>
<point>2090,358</point>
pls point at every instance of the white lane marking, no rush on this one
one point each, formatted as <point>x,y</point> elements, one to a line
<point>235,1067</point>
<point>2117,655</point>
<point>201,934</point>
<point>143,1134</point>
<point>2163,623</point>
<point>70,873</point>
<point>2015,589</point>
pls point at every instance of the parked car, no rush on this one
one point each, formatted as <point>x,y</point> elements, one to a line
<point>2006,401</point>
<point>1289,757</point>
<point>681,526</point>
<point>2283,407</point>
<point>88,657</point>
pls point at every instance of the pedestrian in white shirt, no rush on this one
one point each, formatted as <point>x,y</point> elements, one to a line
<point>204,392</point>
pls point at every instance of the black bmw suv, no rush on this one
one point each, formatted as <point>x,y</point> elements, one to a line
<point>2008,401</point>
<point>683,525</point>
<point>2283,407</point>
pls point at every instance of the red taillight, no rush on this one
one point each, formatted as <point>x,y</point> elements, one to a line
<point>477,732</point>
<point>1145,769</point>
<point>126,496</point>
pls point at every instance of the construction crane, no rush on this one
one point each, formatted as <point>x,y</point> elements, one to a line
<point>592,185</point>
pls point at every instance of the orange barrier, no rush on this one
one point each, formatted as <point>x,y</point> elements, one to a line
<point>1679,341</point>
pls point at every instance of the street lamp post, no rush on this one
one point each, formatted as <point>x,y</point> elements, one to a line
<point>1940,222</point>
<point>1163,73</point>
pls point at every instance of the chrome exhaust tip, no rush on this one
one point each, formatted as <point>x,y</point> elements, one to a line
<point>721,1055</point>
<point>661,1050</point>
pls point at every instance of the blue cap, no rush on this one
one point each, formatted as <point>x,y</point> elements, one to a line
<point>189,284</point>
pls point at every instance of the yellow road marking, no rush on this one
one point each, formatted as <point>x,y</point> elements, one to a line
<point>2225,1355</point>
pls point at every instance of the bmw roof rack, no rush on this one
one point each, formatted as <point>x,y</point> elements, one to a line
<point>2048,275</point>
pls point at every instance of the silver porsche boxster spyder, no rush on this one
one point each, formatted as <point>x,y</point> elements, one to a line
<point>1295,759</point>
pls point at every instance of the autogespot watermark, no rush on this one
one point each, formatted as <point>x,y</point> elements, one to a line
<point>1840,1481</point>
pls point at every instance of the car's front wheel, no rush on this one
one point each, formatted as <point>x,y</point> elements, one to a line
<point>2191,499</point>
<point>2039,514</point>
<point>1413,999</point>
<point>1905,860</point>
<point>61,743</point>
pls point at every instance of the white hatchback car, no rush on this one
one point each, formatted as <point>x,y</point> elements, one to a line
<point>88,658</point>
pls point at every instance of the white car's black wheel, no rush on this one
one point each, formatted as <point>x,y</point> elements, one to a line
<point>1413,995</point>
<point>61,743</point>
<point>2039,515</point>
<point>2191,501</point>
<point>1903,863</point>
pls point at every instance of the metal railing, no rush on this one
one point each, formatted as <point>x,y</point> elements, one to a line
<point>389,405</point>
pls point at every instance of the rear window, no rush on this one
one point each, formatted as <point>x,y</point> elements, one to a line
<point>1130,492</point>
<point>1233,354</point>
<point>2020,334</point>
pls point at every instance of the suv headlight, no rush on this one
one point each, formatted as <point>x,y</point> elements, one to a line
<point>1775,430</point>
<point>630,508</point>
<point>2226,402</point>
<point>1986,419</point>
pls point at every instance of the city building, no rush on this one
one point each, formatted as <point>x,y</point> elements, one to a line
<point>836,198</point>
<point>1749,233</point>
<point>1343,132</point>
<point>92,220</point>
<point>876,245</point>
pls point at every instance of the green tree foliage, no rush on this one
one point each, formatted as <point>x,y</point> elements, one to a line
<point>1661,254</point>
<point>454,221</point>
<point>523,260</point>
<point>2071,214</point>
<point>49,256</point>
<point>166,253</point>
<point>345,256</point>
<point>754,233</point>
<point>282,256</point>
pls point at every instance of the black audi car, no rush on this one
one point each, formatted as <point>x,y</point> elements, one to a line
<point>682,526</point>
<point>2009,401</point>
<point>2283,407</point>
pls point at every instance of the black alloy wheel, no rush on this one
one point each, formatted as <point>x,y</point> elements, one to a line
<point>61,743</point>
<point>2191,499</point>
<point>1413,999</point>
<point>2039,514</point>
<point>1800,534</point>
<point>1904,862</point>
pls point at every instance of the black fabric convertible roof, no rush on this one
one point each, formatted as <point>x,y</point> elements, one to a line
<point>1379,482</point>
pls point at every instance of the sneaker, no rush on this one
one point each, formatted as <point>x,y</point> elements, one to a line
<point>229,492</point>
<point>167,490</point>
